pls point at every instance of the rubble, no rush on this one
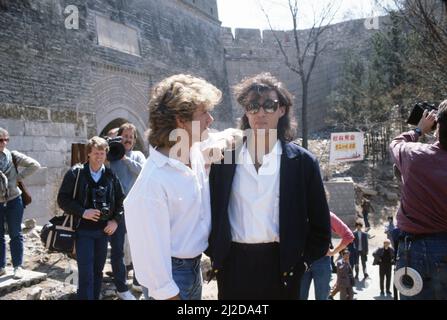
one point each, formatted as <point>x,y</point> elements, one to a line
<point>34,294</point>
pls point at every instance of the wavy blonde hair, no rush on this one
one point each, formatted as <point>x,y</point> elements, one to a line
<point>177,97</point>
<point>98,143</point>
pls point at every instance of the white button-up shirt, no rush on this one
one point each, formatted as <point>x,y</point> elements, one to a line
<point>254,200</point>
<point>168,214</point>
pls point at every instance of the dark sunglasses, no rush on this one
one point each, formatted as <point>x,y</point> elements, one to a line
<point>4,140</point>
<point>269,106</point>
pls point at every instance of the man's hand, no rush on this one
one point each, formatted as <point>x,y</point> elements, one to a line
<point>331,253</point>
<point>427,121</point>
<point>111,227</point>
<point>91,214</point>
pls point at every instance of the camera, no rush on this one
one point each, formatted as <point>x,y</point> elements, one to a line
<point>116,148</point>
<point>99,199</point>
<point>418,110</point>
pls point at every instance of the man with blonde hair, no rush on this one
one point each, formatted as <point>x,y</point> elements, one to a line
<point>168,214</point>
<point>97,206</point>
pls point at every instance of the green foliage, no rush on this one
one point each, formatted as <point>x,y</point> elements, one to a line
<point>381,89</point>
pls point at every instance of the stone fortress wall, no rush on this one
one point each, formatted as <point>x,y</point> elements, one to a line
<point>62,85</point>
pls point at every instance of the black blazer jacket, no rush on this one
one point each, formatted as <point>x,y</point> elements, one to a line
<point>304,221</point>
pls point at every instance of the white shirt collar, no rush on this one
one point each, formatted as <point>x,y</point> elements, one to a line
<point>161,160</point>
<point>101,170</point>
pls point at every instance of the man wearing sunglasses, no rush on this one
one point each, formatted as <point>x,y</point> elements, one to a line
<point>270,217</point>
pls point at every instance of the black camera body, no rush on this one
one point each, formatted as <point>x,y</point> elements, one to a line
<point>418,110</point>
<point>99,199</point>
<point>116,149</point>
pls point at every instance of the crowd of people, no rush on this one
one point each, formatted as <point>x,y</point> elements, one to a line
<point>255,205</point>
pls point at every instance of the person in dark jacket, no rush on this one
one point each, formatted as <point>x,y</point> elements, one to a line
<point>270,217</point>
<point>384,258</point>
<point>98,207</point>
<point>361,248</point>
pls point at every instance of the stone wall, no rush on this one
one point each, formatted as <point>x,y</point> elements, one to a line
<point>60,86</point>
<point>45,135</point>
<point>342,199</point>
<point>251,51</point>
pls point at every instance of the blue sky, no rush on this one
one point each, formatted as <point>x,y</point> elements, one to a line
<point>247,13</point>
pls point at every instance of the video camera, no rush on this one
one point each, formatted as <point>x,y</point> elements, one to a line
<point>116,148</point>
<point>418,110</point>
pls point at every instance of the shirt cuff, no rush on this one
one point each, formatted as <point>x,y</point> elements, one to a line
<point>414,136</point>
<point>168,291</point>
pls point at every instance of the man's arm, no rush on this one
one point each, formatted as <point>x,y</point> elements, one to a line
<point>30,165</point>
<point>398,144</point>
<point>135,166</point>
<point>149,232</point>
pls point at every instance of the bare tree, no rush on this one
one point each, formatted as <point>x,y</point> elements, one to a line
<point>428,20</point>
<point>308,46</point>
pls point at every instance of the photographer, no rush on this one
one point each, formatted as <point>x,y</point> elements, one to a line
<point>422,216</point>
<point>98,205</point>
<point>127,169</point>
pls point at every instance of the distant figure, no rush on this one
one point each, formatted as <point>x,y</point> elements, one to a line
<point>345,279</point>
<point>390,228</point>
<point>366,207</point>
<point>320,271</point>
<point>361,247</point>
<point>384,258</point>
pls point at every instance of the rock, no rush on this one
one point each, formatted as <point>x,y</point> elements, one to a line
<point>30,223</point>
<point>34,294</point>
<point>108,293</point>
<point>34,235</point>
<point>392,196</point>
<point>368,192</point>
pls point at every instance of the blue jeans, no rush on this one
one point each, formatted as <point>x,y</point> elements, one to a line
<point>117,257</point>
<point>91,253</point>
<point>321,272</point>
<point>428,256</point>
<point>188,277</point>
<point>12,214</point>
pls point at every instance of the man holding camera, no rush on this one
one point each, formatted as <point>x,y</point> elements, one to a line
<point>422,216</point>
<point>127,169</point>
<point>98,204</point>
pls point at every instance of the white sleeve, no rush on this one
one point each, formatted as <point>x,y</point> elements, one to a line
<point>149,233</point>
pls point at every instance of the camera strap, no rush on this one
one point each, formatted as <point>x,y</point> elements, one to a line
<point>407,247</point>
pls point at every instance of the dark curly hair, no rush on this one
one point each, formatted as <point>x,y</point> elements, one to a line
<point>261,84</point>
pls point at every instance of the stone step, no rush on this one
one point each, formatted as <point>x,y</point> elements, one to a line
<point>30,278</point>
